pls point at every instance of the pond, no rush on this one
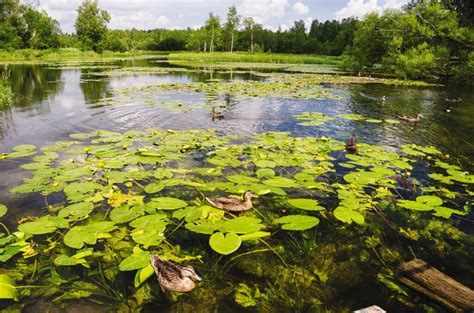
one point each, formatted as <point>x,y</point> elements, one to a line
<point>103,164</point>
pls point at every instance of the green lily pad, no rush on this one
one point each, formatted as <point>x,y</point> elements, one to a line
<point>3,210</point>
<point>77,210</point>
<point>297,222</point>
<point>430,200</point>
<point>225,244</point>
<point>348,215</point>
<point>43,225</point>
<point>7,287</point>
<point>167,203</point>
<point>281,182</point>
<point>139,259</point>
<point>306,204</point>
<point>241,225</point>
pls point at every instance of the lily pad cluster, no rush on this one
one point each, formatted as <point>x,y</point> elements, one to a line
<point>112,199</point>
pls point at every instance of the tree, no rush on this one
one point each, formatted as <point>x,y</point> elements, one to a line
<point>249,25</point>
<point>213,26</point>
<point>232,23</point>
<point>42,32</point>
<point>91,25</point>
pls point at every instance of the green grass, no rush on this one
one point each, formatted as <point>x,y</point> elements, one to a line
<point>6,94</point>
<point>30,55</point>
<point>255,58</point>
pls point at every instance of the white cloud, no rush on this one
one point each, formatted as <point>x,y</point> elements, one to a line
<point>358,8</point>
<point>300,8</point>
<point>139,20</point>
<point>263,10</point>
<point>394,4</point>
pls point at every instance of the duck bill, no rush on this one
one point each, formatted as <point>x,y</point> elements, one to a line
<point>197,278</point>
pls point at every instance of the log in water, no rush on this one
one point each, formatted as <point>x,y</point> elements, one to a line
<point>419,275</point>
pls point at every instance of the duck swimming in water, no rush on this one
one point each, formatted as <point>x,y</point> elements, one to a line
<point>351,145</point>
<point>457,100</point>
<point>174,277</point>
<point>232,204</point>
<point>412,119</point>
<point>217,114</point>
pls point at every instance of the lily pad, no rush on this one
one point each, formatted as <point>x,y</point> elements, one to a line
<point>281,182</point>
<point>3,210</point>
<point>348,215</point>
<point>241,225</point>
<point>306,204</point>
<point>167,203</point>
<point>225,244</point>
<point>297,222</point>
<point>7,287</point>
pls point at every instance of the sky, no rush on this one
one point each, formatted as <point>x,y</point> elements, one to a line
<point>176,14</point>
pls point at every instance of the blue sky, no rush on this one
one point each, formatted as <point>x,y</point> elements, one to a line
<point>149,14</point>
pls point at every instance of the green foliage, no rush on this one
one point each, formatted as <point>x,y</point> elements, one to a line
<point>91,25</point>
<point>23,26</point>
<point>426,41</point>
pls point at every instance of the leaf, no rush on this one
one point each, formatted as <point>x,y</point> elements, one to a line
<point>430,200</point>
<point>224,244</point>
<point>297,222</point>
<point>77,210</point>
<point>348,215</point>
<point>43,225</point>
<point>265,172</point>
<point>143,274</point>
<point>77,236</point>
<point>447,212</point>
<point>3,210</point>
<point>124,213</point>
<point>148,222</point>
<point>241,225</point>
<point>255,235</point>
<point>24,148</point>
<point>7,287</point>
<point>139,259</point>
<point>306,204</point>
<point>167,203</point>
<point>154,187</point>
<point>281,182</point>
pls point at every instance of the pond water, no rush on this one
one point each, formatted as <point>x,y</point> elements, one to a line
<point>332,267</point>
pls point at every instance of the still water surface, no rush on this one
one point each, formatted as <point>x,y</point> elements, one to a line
<point>53,102</point>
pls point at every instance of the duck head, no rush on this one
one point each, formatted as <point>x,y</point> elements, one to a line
<point>248,195</point>
<point>188,271</point>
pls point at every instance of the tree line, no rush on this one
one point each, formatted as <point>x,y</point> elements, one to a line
<point>427,38</point>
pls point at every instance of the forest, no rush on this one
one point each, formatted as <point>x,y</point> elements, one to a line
<point>427,39</point>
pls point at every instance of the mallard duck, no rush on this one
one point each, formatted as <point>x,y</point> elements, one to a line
<point>457,100</point>
<point>233,204</point>
<point>409,118</point>
<point>174,277</point>
<point>217,114</point>
<point>351,145</point>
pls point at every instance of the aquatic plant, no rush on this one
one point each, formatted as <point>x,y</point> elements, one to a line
<point>6,94</point>
<point>112,199</point>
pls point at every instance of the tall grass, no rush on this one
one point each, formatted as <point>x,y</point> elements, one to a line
<point>6,94</point>
<point>255,58</point>
<point>64,54</point>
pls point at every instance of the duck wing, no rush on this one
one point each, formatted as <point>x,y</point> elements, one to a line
<point>222,202</point>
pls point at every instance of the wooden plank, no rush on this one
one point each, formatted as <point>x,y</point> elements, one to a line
<point>419,275</point>
<point>371,309</point>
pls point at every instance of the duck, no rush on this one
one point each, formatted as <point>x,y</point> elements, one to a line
<point>412,119</point>
<point>448,109</point>
<point>234,205</point>
<point>174,277</point>
<point>457,100</point>
<point>351,145</point>
<point>217,114</point>
<point>382,99</point>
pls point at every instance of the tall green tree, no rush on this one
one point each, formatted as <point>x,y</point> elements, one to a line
<point>91,25</point>
<point>214,30</point>
<point>249,25</point>
<point>232,23</point>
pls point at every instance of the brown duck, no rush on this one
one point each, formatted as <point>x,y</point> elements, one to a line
<point>351,145</point>
<point>412,119</point>
<point>174,277</point>
<point>217,114</point>
<point>232,204</point>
